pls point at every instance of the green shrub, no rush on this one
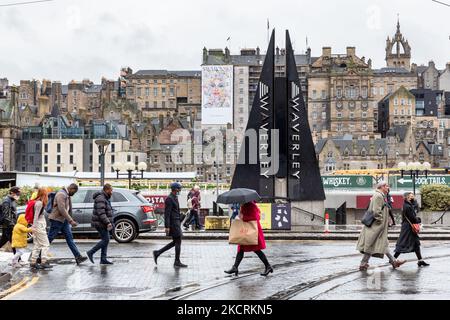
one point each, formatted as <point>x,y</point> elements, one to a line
<point>25,194</point>
<point>435,197</point>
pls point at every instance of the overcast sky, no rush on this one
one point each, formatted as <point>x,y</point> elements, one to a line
<point>75,39</point>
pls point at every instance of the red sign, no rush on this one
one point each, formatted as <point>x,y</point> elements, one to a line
<point>157,201</point>
<point>362,202</point>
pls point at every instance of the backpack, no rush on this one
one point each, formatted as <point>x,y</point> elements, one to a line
<point>51,200</point>
<point>29,211</point>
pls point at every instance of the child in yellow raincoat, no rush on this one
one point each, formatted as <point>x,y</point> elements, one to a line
<point>19,239</point>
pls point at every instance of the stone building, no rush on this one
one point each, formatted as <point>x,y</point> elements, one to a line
<point>444,79</point>
<point>4,88</point>
<point>397,108</point>
<point>10,130</point>
<point>156,92</point>
<point>349,152</point>
<point>340,95</point>
<point>398,51</point>
<point>428,76</point>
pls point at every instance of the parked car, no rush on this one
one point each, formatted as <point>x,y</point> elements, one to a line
<point>132,213</point>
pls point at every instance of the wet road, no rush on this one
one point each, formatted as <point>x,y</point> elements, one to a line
<point>303,270</point>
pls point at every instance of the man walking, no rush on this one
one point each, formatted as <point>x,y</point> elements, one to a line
<point>373,241</point>
<point>61,220</point>
<point>172,222</point>
<point>102,222</point>
<point>8,216</point>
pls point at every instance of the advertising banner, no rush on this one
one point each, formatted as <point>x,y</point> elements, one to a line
<point>217,95</point>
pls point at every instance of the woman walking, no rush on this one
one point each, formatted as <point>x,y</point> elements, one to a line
<point>251,212</point>
<point>373,241</point>
<point>408,240</point>
<point>41,244</point>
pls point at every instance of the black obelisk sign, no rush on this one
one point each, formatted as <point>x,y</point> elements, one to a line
<point>304,180</point>
<point>252,170</point>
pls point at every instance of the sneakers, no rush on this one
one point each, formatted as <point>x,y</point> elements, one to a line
<point>178,264</point>
<point>90,256</point>
<point>106,263</point>
<point>79,260</point>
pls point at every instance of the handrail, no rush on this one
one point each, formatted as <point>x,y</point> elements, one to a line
<point>312,214</point>
<point>442,216</point>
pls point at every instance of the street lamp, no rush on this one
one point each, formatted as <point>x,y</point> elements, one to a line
<point>129,167</point>
<point>102,148</point>
<point>414,168</point>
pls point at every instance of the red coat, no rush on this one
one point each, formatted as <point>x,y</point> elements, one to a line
<point>251,212</point>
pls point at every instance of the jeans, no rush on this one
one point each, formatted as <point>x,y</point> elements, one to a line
<point>102,244</point>
<point>64,227</point>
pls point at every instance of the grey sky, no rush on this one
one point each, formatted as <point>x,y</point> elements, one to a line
<point>76,39</point>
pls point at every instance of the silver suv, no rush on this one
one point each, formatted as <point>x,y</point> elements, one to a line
<point>132,213</point>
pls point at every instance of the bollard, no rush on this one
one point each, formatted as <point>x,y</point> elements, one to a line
<point>327,223</point>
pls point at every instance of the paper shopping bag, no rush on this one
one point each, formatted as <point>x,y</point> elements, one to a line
<point>244,233</point>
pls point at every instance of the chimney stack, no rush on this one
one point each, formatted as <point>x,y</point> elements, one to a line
<point>326,52</point>
<point>351,51</point>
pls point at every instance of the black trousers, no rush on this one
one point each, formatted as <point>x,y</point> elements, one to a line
<point>417,252</point>
<point>259,253</point>
<point>7,236</point>
<point>176,242</point>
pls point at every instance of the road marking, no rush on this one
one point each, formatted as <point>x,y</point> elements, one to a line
<point>24,284</point>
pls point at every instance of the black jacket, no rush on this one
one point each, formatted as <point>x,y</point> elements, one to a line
<point>408,241</point>
<point>9,211</point>
<point>172,217</point>
<point>102,215</point>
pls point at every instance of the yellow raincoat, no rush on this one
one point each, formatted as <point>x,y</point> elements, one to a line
<point>19,238</point>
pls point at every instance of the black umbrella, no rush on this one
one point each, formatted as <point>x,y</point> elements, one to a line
<point>238,196</point>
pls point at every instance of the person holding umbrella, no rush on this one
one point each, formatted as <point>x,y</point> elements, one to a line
<point>249,212</point>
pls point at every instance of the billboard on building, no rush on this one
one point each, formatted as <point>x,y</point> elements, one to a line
<point>217,95</point>
<point>2,157</point>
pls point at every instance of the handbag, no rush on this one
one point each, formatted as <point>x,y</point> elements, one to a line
<point>368,218</point>
<point>243,233</point>
<point>414,226</point>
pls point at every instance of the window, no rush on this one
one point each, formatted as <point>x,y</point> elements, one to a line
<point>58,147</point>
<point>324,95</point>
<point>163,92</point>
<point>71,159</point>
<point>58,159</point>
<point>155,104</point>
<point>163,104</point>
<point>113,158</point>
<point>139,92</point>
<point>38,147</point>
<point>71,147</point>
<point>31,160</point>
<point>45,169</point>
<point>129,158</point>
<point>45,159</point>
<point>147,92</point>
<point>346,166</point>
<point>324,116</point>
<point>364,114</point>
<point>58,169</point>
<point>118,197</point>
<point>80,196</point>
<point>339,93</point>
<point>314,94</point>
<point>172,92</point>
<point>147,104</point>
<point>155,92</point>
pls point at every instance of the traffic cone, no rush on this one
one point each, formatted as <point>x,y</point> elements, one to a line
<point>327,223</point>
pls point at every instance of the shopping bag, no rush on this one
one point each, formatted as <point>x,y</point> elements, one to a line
<point>244,233</point>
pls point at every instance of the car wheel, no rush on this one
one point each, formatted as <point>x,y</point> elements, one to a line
<point>125,231</point>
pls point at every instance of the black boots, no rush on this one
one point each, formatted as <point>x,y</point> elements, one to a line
<point>233,270</point>
<point>79,260</point>
<point>268,270</point>
<point>422,263</point>
<point>178,264</point>
<point>155,256</point>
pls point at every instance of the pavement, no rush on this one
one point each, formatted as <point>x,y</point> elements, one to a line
<point>304,270</point>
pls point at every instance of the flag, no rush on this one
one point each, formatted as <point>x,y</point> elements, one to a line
<point>268,24</point>
<point>229,38</point>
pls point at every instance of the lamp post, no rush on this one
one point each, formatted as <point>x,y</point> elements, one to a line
<point>102,148</point>
<point>129,167</point>
<point>415,169</point>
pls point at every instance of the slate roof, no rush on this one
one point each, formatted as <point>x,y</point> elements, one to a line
<point>391,70</point>
<point>343,143</point>
<point>165,73</point>
<point>254,60</point>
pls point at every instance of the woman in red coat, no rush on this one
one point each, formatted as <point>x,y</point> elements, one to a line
<point>250,212</point>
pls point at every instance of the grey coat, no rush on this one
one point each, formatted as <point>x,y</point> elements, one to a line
<point>374,240</point>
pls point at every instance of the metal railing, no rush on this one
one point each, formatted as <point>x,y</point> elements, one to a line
<point>441,219</point>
